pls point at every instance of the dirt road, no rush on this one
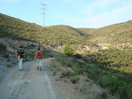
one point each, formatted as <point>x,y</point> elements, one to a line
<point>28,84</point>
<point>34,84</point>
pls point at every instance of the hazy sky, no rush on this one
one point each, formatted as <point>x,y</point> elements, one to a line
<point>76,13</point>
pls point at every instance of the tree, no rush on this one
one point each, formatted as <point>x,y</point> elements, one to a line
<point>68,50</point>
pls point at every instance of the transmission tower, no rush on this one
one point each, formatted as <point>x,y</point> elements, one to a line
<point>43,13</point>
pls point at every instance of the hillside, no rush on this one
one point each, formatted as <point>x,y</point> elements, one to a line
<point>68,29</point>
<point>48,36</point>
<point>116,34</point>
<point>88,31</point>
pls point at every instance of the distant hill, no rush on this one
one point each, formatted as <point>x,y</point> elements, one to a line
<point>48,36</point>
<point>116,34</point>
<point>68,29</point>
<point>87,31</point>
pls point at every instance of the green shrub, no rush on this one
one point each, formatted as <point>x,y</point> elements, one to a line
<point>68,50</point>
<point>74,79</point>
<point>2,47</point>
<point>64,74</point>
<point>6,54</point>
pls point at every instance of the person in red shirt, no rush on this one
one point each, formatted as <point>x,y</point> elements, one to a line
<point>38,56</point>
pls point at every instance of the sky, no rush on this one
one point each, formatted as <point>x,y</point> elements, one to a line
<point>76,13</point>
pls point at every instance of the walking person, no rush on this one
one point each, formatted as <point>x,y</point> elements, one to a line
<point>20,54</point>
<point>38,56</point>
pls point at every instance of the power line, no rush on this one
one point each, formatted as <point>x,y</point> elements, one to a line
<point>43,13</point>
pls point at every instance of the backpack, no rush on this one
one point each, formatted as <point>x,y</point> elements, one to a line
<point>20,53</point>
<point>39,55</point>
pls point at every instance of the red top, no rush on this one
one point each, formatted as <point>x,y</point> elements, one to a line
<point>39,55</point>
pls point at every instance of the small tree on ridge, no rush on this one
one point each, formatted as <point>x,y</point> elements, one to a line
<point>68,50</point>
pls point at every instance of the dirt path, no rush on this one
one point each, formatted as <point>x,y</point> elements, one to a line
<point>34,84</point>
<point>27,84</point>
